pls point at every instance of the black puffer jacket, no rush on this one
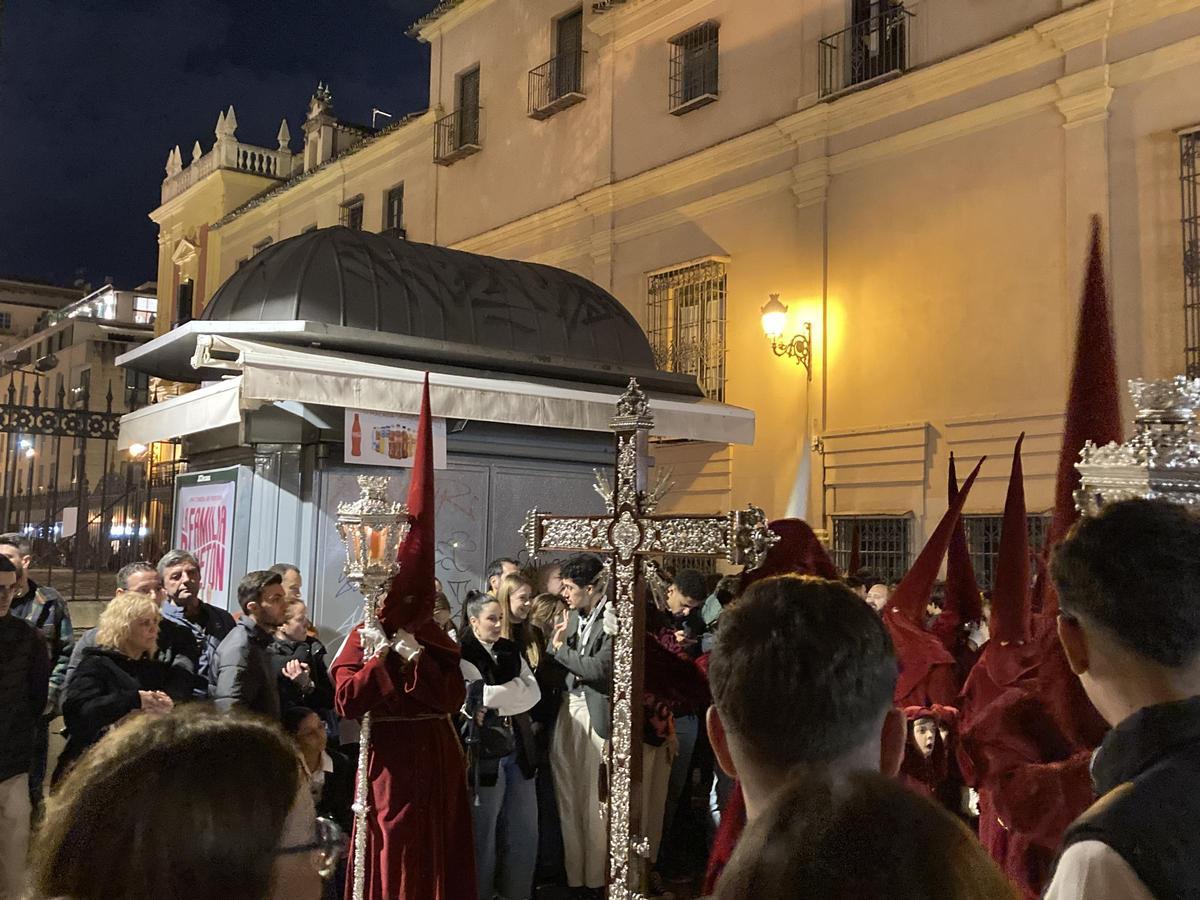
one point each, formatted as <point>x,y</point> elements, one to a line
<point>103,690</point>
<point>319,698</point>
<point>24,682</point>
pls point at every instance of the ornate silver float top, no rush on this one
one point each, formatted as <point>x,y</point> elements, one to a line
<point>1161,460</point>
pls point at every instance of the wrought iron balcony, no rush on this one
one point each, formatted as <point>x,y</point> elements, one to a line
<point>556,84</point>
<point>456,136</point>
<point>872,49</point>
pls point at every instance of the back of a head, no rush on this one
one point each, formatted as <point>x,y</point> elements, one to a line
<point>858,835</point>
<point>187,805</point>
<point>1134,570</point>
<point>802,671</point>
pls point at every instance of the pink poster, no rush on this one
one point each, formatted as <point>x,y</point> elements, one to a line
<point>204,528</point>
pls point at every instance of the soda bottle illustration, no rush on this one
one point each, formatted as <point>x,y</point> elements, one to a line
<point>356,437</point>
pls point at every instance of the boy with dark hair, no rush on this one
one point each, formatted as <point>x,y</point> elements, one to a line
<point>244,678</point>
<point>24,680</point>
<point>1128,583</point>
<point>46,610</point>
<point>582,646</point>
<point>795,647</point>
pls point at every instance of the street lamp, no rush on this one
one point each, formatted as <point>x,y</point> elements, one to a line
<point>798,346</point>
<point>136,451</point>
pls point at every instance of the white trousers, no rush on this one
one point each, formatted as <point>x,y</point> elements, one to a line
<point>14,835</point>
<point>656,783</point>
<point>575,759</point>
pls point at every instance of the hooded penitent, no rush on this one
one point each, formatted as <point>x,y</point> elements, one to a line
<point>798,552</point>
<point>963,602</point>
<point>926,668</point>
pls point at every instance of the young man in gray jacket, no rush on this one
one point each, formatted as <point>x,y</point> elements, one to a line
<point>244,679</point>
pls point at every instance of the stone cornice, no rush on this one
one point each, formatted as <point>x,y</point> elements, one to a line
<point>1084,96</point>
<point>444,17</point>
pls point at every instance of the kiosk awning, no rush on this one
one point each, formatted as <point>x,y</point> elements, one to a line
<point>271,373</point>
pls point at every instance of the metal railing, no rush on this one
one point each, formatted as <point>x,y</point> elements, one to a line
<point>456,136</point>
<point>873,48</point>
<point>1189,182</point>
<point>556,84</point>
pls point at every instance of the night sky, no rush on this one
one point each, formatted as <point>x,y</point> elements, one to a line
<point>94,94</point>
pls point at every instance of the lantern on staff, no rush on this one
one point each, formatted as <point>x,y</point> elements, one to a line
<point>372,528</point>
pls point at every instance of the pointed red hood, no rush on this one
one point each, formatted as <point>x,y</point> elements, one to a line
<point>1093,404</point>
<point>798,552</point>
<point>915,588</point>
<point>409,601</point>
<point>1010,621</point>
<point>963,601</point>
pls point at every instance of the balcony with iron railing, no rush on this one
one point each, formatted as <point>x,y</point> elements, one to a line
<point>556,84</point>
<point>871,50</point>
<point>456,136</point>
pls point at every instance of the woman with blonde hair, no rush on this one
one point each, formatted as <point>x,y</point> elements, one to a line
<point>117,677</point>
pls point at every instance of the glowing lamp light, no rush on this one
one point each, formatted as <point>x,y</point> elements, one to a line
<point>798,346</point>
<point>30,453</point>
<point>137,450</point>
<point>774,317</point>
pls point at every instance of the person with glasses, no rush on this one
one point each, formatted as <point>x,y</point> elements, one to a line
<point>235,821</point>
<point>24,683</point>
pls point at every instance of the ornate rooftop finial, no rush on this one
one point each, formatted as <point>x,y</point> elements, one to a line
<point>231,121</point>
<point>174,165</point>
<point>219,128</point>
<point>321,101</point>
<point>284,137</point>
<point>196,152</point>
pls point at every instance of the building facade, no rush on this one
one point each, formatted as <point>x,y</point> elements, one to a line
<point>915,181</point>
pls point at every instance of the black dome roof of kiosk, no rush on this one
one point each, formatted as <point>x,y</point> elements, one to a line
<point>377,282</point>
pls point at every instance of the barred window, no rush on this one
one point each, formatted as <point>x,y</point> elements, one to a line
<point>983,541</point>
<point>1189,177</point>
<point>5,321</point>
<point>686,323</point>
<point>694,72</point>
<point>883,543</point>
<point>352,213</point>
<point>393,210</point>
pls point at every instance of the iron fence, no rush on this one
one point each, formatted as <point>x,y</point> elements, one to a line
<point>871,48</point>
<point>85,508</point>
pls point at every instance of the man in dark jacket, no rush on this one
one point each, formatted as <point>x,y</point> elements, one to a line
<point>24,683</point>
<point>46,610</point>
<point>244,679</point>
<point>181,579</point>
<point>1129,620</point>
<point>177,645</point>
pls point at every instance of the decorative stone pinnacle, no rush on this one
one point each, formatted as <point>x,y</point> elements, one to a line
<point>196,152</point>
<point>285,136</point>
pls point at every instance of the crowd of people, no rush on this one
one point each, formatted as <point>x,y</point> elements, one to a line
<point>771,705</point>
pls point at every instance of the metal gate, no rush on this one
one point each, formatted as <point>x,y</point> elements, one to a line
<point>86,508</point>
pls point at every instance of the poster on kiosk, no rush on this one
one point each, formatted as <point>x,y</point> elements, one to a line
<point>211,524</point>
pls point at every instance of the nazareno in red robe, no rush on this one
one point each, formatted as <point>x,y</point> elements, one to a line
<point>419,814</point>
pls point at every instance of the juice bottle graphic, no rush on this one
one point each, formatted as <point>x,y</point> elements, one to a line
<point>356,437</point>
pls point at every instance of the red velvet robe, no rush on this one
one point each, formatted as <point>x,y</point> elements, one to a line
<point>927,670</point>
<point>420,838</point>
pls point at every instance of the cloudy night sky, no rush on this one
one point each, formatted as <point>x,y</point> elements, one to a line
<point>94,94</point>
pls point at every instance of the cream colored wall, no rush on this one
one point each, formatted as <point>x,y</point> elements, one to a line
<point>932,228</point>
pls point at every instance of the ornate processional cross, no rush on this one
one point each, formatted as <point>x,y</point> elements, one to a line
<point>630,535</point>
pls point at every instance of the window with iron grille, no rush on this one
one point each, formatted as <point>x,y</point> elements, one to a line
<point>983,541</point>
<point>352,213</point>
<point>468,108</point>
<point>686,323</point>
<point>883,543</point>
<point>393,210</point>
<point>694,69</point>
<point>1189,177</point>
<point>5,321</point>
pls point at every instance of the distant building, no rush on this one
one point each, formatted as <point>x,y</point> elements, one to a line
<point>23,303</point>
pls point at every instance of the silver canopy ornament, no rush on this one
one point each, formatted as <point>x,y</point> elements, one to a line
<point>630,534</point>
<point>372,528</point>
<point>1160,461</point>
